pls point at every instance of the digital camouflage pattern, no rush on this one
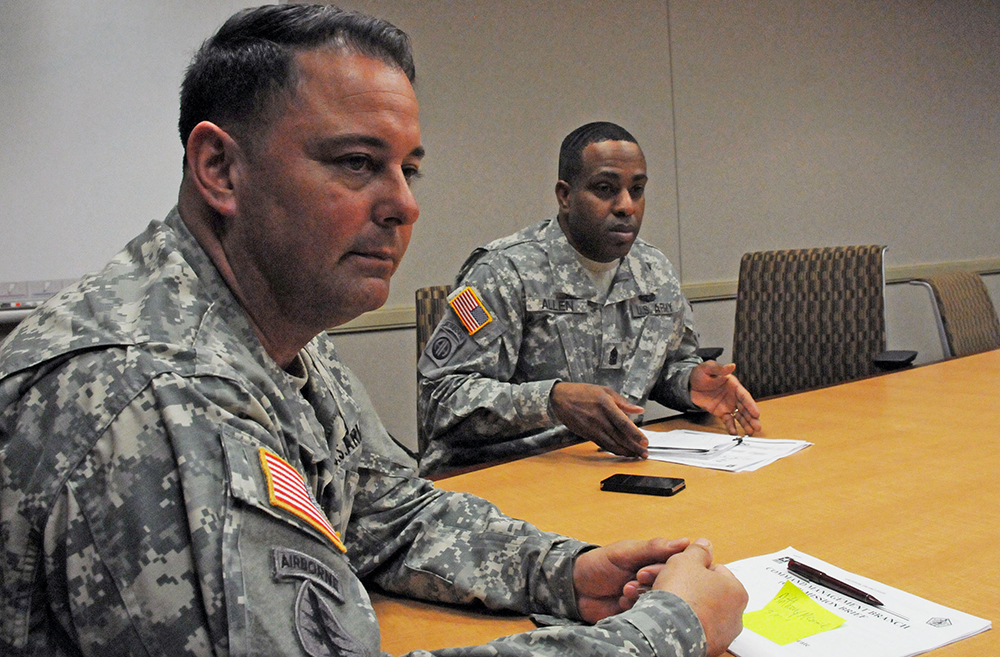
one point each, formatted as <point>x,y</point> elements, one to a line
<point>486,396</point>
<point>135,515</point>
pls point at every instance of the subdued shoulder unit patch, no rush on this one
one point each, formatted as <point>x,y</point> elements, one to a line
<point>316,605</point>
<point>320,633</point>
<point>470,309</point>
<point>443,344</point>
<point>286,489</point>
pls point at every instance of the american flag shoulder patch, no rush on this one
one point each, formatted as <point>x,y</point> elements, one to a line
<point>286,489</point>
<point>470,310</point>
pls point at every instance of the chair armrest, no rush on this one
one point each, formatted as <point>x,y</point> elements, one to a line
<point>894,360</point>
<point>709,353</point>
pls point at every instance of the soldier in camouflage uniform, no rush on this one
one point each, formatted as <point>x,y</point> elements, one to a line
<point>187,468</point>
<point>563,329</point>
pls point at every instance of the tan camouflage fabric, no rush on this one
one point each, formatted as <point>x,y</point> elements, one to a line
<point>137,516</point>
<point>485,396</point>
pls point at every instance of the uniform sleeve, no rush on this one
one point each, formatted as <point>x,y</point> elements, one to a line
<point>660,624</point>
<point>465,387</point>
<point>120,552</point>
<point>673,386</point>
<point>434,545</point>
<point>416,541</point>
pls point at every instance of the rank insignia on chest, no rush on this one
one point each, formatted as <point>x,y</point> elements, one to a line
<point>470,310</point>
<point>612,354</point>
<point>286,489</point>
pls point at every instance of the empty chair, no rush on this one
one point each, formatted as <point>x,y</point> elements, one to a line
<point>967,321</point>
<point>431,303</point>
<point>807,318</point>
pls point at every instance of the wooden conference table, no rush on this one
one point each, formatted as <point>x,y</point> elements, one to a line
<point>901,485</point>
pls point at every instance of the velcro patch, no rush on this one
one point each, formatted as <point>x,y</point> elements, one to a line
<point>292,564</point>
<point>576,306</point>
<point>286,489</point>
<point>470,310</point>
<point>612,355</point>
<point>639,310</point>
<point>443,344</point>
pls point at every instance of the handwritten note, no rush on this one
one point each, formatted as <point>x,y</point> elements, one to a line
<point>791,615</point>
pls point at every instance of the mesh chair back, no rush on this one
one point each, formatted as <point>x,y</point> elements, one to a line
<point>431,304</point>
<point>807,318</point>
<point>966,317</point>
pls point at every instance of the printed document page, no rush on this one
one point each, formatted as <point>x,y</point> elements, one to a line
<point>791,616</point>
<point>704,449</point>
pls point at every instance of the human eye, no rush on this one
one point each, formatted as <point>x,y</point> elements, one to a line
<point>412,174</point>
<point>357,163</point>
<point>637,191</point>
<point>603,189</point>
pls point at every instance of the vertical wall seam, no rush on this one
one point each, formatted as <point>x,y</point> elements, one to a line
<point>673,134</point>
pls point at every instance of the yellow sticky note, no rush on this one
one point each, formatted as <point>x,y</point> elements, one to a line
<point>791,615</point>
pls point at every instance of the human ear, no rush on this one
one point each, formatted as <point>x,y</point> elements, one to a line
<point>210,156</point>
<point>562,195</point>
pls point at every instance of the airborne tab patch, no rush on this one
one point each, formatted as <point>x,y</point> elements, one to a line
<point>470,310</point>
<point>286,489</point>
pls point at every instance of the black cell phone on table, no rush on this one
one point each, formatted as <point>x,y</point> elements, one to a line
<point>643,484</point>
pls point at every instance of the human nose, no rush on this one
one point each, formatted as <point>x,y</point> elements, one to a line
<point>398,206</point>
<point>624,204</point>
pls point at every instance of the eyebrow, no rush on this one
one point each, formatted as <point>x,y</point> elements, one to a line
<point>617,177</point>
<point>346,141</point>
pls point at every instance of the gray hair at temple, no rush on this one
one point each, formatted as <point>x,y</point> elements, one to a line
<point>240,76</point>
<point>571,152</point>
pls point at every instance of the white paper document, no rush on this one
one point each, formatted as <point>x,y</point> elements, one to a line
<point>688,440</point>
<point>704,449</point>
<point>904,625</point>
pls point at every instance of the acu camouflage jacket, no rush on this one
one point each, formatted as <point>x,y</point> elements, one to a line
<point>485,395</point>
<point>166,489</point>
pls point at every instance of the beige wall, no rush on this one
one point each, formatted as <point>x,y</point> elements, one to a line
<point>767,124</point>
<point>772,124</point>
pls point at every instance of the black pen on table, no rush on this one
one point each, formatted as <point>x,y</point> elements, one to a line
<point>821,578</point>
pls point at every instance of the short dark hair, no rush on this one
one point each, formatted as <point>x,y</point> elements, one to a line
<point>571,151</point>
<point>236,77</point>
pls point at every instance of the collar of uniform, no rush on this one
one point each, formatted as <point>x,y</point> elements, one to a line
<point>295,399</point>
<point>563,258</point>
<point>625,285</point>
<point>633,278</point>
<point>329,409</point>
<point>637,276</point>
<point>644,268</point>
<point>213,287</point>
